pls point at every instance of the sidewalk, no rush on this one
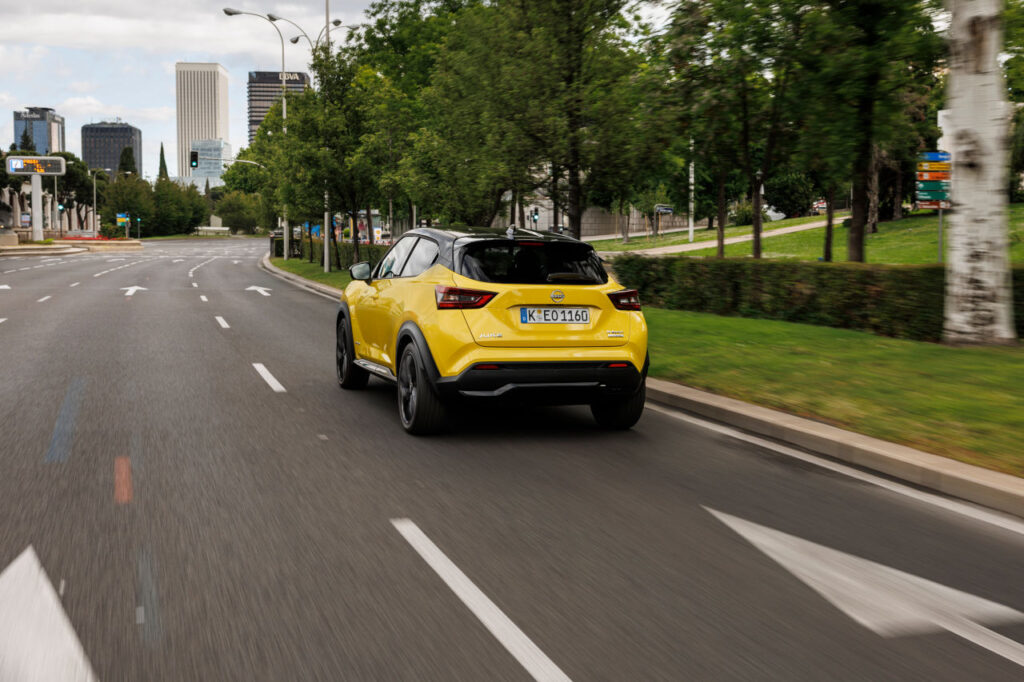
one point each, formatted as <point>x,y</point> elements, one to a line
<point>711,243</point>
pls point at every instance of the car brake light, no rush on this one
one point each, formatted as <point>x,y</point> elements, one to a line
<point>618,365</point>
<point>485,366</point>
<point>627,299</point>
<point>456,298</point>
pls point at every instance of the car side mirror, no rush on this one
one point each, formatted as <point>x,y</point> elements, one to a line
<point>360,271</point>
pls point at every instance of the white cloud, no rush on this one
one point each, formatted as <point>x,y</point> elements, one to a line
<point>82,86</point>
<point>21,62</point>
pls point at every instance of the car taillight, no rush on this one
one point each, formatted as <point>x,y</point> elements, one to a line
<point>454,297</point>
<point>627,299</point>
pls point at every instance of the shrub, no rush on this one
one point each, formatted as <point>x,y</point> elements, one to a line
<point>743,214</point>
<point>903,301</point>
<point>366,252</point>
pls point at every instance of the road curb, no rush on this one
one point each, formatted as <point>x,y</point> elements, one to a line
<point>991,489</point>
<point>301,282</point>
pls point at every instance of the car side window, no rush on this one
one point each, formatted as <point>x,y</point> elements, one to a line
<point>421,258</point>
<point>392,263</point>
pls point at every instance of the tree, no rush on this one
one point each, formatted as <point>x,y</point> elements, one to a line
<point>127,162</point>
<point>979,306</point>
<point>162,175</point>
<point>128,194</point>
<point>26,143</point>
<point>240,211</point>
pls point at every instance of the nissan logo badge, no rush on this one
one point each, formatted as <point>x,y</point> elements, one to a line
<point>557,296</point>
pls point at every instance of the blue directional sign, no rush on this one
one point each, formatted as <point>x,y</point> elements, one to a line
<point>934,156</point>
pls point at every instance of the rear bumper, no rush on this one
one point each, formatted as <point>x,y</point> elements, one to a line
<point>550,383</point>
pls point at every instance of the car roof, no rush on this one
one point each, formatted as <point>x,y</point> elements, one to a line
<point>449,235</point>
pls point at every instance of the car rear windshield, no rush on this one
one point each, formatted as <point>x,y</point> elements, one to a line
<point>524,262</point>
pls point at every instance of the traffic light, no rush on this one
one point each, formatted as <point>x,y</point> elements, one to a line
<point>536,214</point>
<point>193,159</point>
<point>60,207</point>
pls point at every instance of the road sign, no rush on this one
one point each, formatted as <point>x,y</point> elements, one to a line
<point>934,166</point>
<point>926,176</point>
<point>934,156</point>
<point>931,204</point>
<point>933,186</point>
<point>33,165</point>
<point>931,196</point>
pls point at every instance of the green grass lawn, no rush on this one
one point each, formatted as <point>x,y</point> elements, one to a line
<point>964,403</point>
<point>699,235</point>
<point>314,271</point>
<point>205,236</point>
<point>911,240</point>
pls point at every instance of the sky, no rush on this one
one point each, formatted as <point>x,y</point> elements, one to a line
<point>97,60</point>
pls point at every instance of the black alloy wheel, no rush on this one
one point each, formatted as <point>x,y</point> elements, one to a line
<point>419,407</point>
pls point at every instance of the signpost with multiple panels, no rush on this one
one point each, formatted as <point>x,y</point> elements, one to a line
<point>933,184</point>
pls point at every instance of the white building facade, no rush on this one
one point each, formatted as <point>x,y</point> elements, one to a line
<point>213,154</point>
<point>202,107</point>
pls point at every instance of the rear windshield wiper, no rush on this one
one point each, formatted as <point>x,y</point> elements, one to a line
<point>571,277</point>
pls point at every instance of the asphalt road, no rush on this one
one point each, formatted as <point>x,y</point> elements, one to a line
<point>199,525</point>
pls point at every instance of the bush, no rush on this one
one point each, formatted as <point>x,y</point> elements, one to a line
<point>792,193</point>
<point>903,301</point>
<point>366,252</point>
<point>743,214</point>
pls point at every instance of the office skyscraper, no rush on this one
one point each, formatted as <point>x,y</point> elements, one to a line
<point>202,104</point>
<point>102,144</point>
<point>45,129</point>
<point>265,89</point>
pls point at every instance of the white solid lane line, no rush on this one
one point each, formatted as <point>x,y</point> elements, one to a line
<point>203,299</point>
<point>44,298</point>
<point>993,518</point>
<point>268,377</point>
<point>504,630</point>
<point>222,322</point>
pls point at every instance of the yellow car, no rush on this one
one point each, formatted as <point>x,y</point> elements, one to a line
<point>518,315</point>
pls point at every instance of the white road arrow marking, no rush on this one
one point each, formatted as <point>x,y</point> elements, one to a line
<point>130,291</point>
<point>263,290</point>
<point>37,641</point>
<point>887,601</point>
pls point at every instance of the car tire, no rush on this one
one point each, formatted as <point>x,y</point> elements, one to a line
<point>620,414</point>
<point>350,375</point>
<point>419,407</point>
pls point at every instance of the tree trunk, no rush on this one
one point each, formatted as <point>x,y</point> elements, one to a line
<point>721,214</point>
<point>522,213</point>
<point>864,132</point>
<point>575,208</point>
<point>979,305</point>
<point>830,203</point>
<point>369,225</point>
<point>876,164</point>
<point>756,203</point>
<point>897,212</point>
<point>625,229</point>
<point>309,231</point>
<point>391,218</point>
<point>512,209</point>
<point>354,218</point>
<point>554,196</point>
<point>335,251</point>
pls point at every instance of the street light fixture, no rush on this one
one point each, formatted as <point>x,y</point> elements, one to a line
<point>284,100</point>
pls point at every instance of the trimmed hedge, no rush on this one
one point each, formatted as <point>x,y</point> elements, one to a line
<point>366,252</point>
<point>903,301</point>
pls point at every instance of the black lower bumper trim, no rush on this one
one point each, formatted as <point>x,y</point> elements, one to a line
<point>552,383</point>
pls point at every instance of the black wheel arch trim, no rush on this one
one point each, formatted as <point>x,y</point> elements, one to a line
<point>411,331</point>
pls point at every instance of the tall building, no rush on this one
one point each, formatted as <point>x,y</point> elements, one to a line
<point>265,89</point>
<point>45,128</point>
<point>102,144</point>
<point>202,103</point>
<point>213,154</point>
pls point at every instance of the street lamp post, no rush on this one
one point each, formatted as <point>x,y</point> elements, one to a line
<point>284,105</point>
<point>95,215</point>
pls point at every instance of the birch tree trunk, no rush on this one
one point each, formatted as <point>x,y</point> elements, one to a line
<point>979,308</point>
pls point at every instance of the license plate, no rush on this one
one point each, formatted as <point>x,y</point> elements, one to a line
<point>554,315</point>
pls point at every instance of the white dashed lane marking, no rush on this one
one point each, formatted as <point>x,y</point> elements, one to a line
<point>222,322</point>
<point>269,378</point>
